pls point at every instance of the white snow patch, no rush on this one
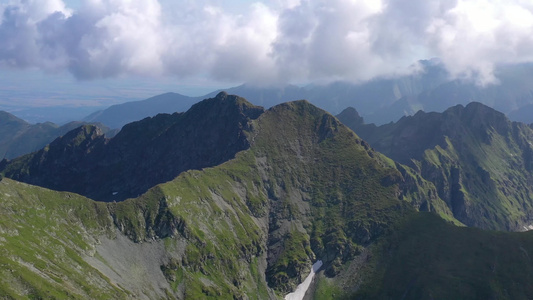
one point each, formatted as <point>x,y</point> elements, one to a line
<point>528,227</point>
<point>302,288</point>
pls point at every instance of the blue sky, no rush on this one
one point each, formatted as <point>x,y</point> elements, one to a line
<point>73,4</point>
<point>98,52</point>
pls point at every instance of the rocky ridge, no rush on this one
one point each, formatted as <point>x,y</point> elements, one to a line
<point>479,161</point>
<point>142,154</point>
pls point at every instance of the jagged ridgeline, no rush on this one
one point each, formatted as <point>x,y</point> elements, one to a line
<point>480,162</point>
<point>302,187</point>
<point>143,153</point>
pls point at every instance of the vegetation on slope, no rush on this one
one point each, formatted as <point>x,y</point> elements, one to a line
<point>43,237</point>
<point>329,193</point>
<point>479,161</point>
<point>426,258</point>
<point>308,188</point>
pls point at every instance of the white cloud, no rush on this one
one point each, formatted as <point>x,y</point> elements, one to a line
<point>476,35</point>
<point>274,41</point>
<point>125,36</point>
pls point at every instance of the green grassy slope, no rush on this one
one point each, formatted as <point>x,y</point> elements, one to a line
<point>46,237</point>
<point>425,258</point>
<point>325,190</point>
<point>43,237</point>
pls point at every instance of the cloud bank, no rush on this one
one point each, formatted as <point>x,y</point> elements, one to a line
<point>265,42</point>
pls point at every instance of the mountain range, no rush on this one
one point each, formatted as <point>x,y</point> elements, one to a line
<point>369,97</point>
<point>119,115</point>
<point>231,201</point>
<point>18,137</point>
<point>85,162</point>
<point>381,100</point>
<point>480,162</point>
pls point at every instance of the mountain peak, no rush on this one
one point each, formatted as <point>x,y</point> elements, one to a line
<point>7,118</point>
<point>298,105</point>
<point>465,151</point>
<point>351,117</point>
<point>224,105</point>
<point>143,153</point>
<point>482,110</point>
<point>477,116</point>
<point>222,95</point>
<point>86,131</point>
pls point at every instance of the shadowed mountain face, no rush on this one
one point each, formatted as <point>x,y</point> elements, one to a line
<point>425,258</point>
<point>480,162</point>
<point>143,154</point>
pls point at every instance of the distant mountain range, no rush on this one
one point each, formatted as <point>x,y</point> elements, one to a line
<point>85,162</point>
<point>17,137</point>
<point>368,97</point>
<point>119,115</point>
<point>54,114</point>
<point>379,101</point>
<point>383,100</point>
